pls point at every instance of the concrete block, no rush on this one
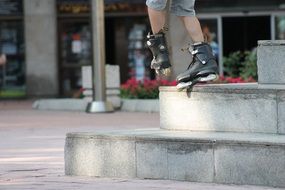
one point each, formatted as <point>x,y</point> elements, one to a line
<point>248,164</point>
<point>271,59</point>
<point>191,162</point>
<point>88,92</point>
<point>112,84</point>
<point>152,160</point>
<point>120,159</point>
<point>100,157</point>
<point>79,159</point>
<point>219,108</point>
<point>112,77</point>
<point>112,96</point>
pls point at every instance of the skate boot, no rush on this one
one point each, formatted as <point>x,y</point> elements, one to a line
<point>203,67</point>
<point>158,47</point>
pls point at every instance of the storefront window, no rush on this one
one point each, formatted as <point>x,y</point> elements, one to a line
<point>12,74</point>
<point>75,44</point>
<point>75,52</point>
<point>138,54</point>
<point>11,7</point>
<point>280,27</point>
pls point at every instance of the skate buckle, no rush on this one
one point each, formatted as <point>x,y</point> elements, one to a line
<point>165,72</point>
<point>162,47</point>
<point>194,52</point>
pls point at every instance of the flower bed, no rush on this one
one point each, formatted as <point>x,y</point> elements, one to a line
<point>146,89</point>
<point>142,96</point>
<point>149,89</point>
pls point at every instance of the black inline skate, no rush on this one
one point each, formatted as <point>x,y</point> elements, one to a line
<point>158,46</point>
<point>203,67</point>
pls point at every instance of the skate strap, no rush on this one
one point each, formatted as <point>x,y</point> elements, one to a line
<point>203,57</point>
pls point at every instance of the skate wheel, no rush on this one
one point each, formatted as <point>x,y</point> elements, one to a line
<point>183,85</point>
<point>208,78</point>
<point>165,72</point>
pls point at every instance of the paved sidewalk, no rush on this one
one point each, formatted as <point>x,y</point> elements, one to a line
<point>32,142</point>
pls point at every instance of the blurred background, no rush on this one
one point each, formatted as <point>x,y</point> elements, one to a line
<point>48,42</point>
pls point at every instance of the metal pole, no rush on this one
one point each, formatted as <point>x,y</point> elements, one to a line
<point>99,103</point>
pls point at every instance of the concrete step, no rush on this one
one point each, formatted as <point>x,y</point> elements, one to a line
<point>224,107</point>
<point>216,157</point>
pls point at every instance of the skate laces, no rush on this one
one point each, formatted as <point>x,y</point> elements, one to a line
<point>193,52</point>
<point>189,49</point>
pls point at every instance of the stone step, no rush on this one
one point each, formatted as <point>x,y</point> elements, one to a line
<point>216,157</point>
<point>224,107</point>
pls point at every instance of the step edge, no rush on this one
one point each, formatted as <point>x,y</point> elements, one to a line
<point>247,139</point>
<point>238,88</point>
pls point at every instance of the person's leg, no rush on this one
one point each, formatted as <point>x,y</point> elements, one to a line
<point>157,14</point>
<point>157,20</point>
<point>157,41</point>
<point>2,59</point>
<point>193,28</point>
<point>203,66</point>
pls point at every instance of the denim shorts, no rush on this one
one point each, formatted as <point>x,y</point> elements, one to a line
<point>177,7</point>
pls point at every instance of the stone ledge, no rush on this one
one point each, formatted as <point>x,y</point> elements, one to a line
<point>271,42</point>
<point>181,136</point>
<point>226,107</point>
<point>234,158</point>
<point>240,88</point>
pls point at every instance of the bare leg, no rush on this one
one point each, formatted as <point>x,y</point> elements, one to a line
<point>199,70</point>
<point>2,59</point>
<point>193,27</point>
<point>157,20</point>
<point>157,42</point>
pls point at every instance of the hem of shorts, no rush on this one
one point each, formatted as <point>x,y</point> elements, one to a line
<point>186,14</point>
<point>156,9</point>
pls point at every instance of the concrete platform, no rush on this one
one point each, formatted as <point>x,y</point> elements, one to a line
<point>224,107</point>
<point>234,158</point>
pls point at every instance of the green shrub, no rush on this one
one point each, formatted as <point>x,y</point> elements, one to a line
<point>232,64</point>
<point>146,89</point>
<point>241,64</point>
<point>249,68</point>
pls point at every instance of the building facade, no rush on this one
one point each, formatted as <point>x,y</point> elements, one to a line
<point>47,42</point>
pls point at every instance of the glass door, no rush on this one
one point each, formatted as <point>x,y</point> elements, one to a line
<point>211,28</point>
<point>279,27</point>
<point>12,74</point>
<point>74,52</point>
